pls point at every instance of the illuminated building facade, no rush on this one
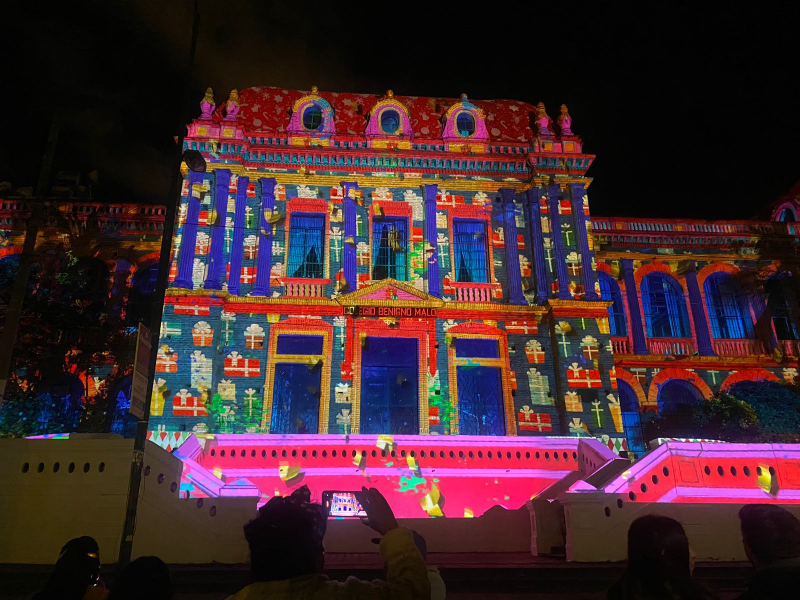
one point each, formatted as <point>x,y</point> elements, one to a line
<point>401,266</point>
<point>421,280</point>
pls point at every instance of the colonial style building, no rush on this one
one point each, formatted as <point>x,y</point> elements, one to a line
<point>355,264</point>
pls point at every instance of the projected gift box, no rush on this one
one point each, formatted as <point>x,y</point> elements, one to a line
<point>238,366</point>
<point>202,334</point>
<point>186,405</point>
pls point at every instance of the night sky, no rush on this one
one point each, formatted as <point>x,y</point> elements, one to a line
<point>691,111</point>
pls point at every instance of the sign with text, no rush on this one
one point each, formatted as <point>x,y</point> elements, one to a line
<point>140,373</point>
<point>397,312</point>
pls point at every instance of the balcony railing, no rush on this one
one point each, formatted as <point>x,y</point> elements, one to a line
<point>738,347</point>
<point>790,347</point>
<point>619,345</point>
<point>305,288</point>
<point>671,346</point>
<point>473,292</point>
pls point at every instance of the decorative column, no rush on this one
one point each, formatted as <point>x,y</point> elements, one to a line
<point>637,328</point>
<point>515,295</point>
<point>704,347</point>
<point>216,259</point>
<point>534,218</point>
<point>237,245</point>
<point>582,241</point>
<point>558,244</point>
<point>434,285</point>
<point>264,264</point>
<point>189,234</point>
<point>349,246</point>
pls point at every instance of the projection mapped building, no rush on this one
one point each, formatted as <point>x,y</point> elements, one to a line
<point>362,283</point>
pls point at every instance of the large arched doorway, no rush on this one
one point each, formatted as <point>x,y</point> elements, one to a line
<point>678,400</point>
<point>631,420</point>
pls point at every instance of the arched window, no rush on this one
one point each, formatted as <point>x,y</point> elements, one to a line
<point>312,117</point>
<point>782,303</point>
<point>390,121</point>
<point>727,308</point>
<point>609,291</point>
<point>664,307</point>
<point>787,216</point>
<point>465,124</point>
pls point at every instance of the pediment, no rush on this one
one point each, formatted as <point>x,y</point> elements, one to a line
<point>389,292</point>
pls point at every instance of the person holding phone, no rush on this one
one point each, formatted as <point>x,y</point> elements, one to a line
<point>287,554</point>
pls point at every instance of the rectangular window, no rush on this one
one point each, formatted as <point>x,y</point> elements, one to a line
<point>477,348</point>
<point>306,246</point>
<point>389,245</point>
<point>299,344</point>
<point>470,251</point>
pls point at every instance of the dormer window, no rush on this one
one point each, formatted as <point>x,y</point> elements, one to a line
<point>312,117</point>
<point>390,121</point>
<point>464,121</point>
<point>389,118</point>
<point>465,124</point>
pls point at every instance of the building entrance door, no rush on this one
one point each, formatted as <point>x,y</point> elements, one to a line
<point>390,386</point>
<point>480,400</point>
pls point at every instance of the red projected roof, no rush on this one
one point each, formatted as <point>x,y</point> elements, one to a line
<point>267,110</point>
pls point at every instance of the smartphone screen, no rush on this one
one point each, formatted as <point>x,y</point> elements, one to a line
<point>341,505</point>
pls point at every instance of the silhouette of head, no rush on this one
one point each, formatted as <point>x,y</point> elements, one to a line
<point>770,533</point>
<point>658,555</point>
<point>286,538</point>
<point>146,577</point>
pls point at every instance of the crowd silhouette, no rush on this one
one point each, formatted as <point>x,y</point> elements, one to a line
<point>287,560</point>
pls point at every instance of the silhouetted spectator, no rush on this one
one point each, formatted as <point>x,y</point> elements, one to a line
<point>438,589</point>
<point>771,538</point>
<point>146,577</point>
<point>76,574</point>
<point>287,555</point>
<point>660,563</point>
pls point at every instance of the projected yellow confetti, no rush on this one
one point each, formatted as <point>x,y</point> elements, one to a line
<point>385,442</point>
<point>431,502</point>
<point>290,474</point>
<point>767,481</point>
<point>468,514</point>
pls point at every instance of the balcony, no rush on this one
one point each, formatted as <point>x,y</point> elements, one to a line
<point>671,346</point>
<point>620,345</point>
<point>305,288</point>
<point>738,347</point>
<point>473,292</point>
<point>790,348</point>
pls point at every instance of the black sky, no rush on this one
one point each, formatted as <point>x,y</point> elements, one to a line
<point>691,110</point>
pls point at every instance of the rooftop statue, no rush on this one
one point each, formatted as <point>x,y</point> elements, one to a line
<point>207,105</point>
<point>232,106</point>
<point>544,123</point>
<point>565,121</point>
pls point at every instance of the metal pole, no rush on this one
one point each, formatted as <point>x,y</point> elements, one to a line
<point>36,207</point>
<point>126,545</point>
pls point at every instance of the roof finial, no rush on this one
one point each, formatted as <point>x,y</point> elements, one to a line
<point>314,89</point>
<point>389,94</point>
<point>463,97</point>
<point>232,105</point>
